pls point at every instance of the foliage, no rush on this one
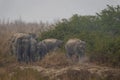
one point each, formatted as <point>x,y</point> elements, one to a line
<point>101,33</point>
<point>110,19</point>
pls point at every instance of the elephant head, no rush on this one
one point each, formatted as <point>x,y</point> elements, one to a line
<point>75,47</point>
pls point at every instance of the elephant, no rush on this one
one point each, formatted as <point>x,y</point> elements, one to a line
<point>52,44</point>
<point>18,50</point>
<point>24,47</point>
<point>29,46</point>
<point>16,45</point>
<point>33,49</point>
<point>75,47</point>
<point>41,50</point>
<point>14,41</point>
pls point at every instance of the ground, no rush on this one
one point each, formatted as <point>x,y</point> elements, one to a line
<point>57,67</point>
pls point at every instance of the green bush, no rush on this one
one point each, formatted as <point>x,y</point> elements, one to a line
<point>101,33</point>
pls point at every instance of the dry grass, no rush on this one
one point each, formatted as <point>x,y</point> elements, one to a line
<point>5,57</point>
<point>18,74</point>
<point>8,64</point>
<point>76,75</point>
<point>56,60</point>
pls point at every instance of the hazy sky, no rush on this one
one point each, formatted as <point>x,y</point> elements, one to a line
<point>50,10</point>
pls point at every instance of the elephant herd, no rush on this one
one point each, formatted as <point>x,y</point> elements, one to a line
<point>26,48</point>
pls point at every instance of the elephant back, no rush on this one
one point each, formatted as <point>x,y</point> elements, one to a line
<point>52,44</point>
<point>41,46</point>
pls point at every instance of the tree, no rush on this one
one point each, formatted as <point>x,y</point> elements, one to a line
<point>110,19</point>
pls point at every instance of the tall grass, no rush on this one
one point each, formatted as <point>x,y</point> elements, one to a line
<point>7,29</point>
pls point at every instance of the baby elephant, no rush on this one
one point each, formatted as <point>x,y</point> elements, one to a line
<point>75,47</point>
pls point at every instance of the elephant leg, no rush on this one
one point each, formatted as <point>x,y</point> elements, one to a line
<point>81,56</point>
<point>27,59</point>
<point>19,55</point>
<point>30,56</point>
<point>41,55</point>
<point>77,57</point>
<point>33,57</point>
<point>69,55</point>
<point>37,56</point>
<point>44,53</point>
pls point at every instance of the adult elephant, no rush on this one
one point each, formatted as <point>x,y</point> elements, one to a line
<point>14,41</point>
<point>18,43</point>
<point>18,50</point>
<point>52,44</point>
<point>29,48</point>
<point>75,47</point>
<point>33,49</point>
<point>24,47</point>
<point>41,50</point>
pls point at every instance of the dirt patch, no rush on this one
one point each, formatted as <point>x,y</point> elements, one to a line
<point>82,71</point>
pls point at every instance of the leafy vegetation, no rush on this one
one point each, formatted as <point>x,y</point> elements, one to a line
<point>101,33</point>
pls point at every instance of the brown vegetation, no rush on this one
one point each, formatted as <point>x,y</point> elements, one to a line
<point>7,29</point>
<point>55,60</point>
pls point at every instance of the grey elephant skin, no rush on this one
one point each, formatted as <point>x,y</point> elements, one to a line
<point>75,47</point>
<point>33,49</point>
<point>16,38</point>
<point>23,46</point>
<point>52,44</point>
<point>41,50</point>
